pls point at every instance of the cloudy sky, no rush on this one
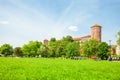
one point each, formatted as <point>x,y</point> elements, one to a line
<point>25,20</point>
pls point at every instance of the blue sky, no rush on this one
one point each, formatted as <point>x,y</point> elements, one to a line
<point>25,20</point>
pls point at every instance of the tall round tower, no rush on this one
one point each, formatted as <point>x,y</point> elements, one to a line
<point>96,32</point>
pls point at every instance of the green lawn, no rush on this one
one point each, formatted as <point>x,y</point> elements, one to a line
<point>57,69</point>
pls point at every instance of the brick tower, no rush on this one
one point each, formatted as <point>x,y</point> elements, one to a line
<point>46,41</point>
<point>96,32</point>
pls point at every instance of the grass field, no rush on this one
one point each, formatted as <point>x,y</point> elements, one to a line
<point>57,69</point>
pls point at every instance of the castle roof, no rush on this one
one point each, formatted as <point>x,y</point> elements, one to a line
<point>45,39</point>
<point>80,38</point>
<point>77,39</point>
<point>96,25</point>
<point>87,36</point>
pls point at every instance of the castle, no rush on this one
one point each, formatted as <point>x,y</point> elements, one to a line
<point>95,33</point>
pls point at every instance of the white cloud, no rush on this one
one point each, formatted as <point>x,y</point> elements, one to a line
<point>4,22</point>
<point>73,28</point>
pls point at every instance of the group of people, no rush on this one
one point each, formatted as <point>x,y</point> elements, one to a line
<point>114,58</point>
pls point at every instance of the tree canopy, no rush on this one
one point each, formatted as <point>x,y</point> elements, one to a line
<point>73,49</point>
<point>68,38</point>
<point>103,50</point>
<point>18,52</point>
<point>32,48</point>
<point>44,51</point>
<point>90,47</point>
<point>118,41</point>
<point>52,39</point>
<point>6,49</point>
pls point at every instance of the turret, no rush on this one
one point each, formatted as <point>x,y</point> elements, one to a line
<point>96,32</point>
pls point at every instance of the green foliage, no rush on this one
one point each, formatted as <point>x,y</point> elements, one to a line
<point>68,38</point>
<point>44,50</point>
<point>119,33</point>
<point>6,49</point>
<point>65,47</point>
<point>25,50</point>
<point>18,52</point>
<point>61,48</point>
<point>57,69</point>
<point>52,39</point>
<point>32,48</point>
<point>85,48</point>
<point>103,50</point>
<point>52,48</point>
<point>118,41</point>
<point>73,49</point>
<point>58,48</point>
<point>90,47</point>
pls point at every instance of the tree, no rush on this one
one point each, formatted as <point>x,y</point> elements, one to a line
<point>52,48</point>
<point>118,41</point>
<point>73,49</point>
<point>61,48</point>
<point>25,50</point>
<point>90,47</point>
<point>32,48</point>
<point>85,48</point>
<point>68,38</point>
<point>44,50</point>
<point>119,33</point>
<point>6,49</point>
<point>52,39</point>
<point>103,50</point>
<point>18,52</point>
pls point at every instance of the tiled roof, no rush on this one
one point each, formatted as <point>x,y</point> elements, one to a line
<point>87,36</point>
<point>77,39</point>
<point>96,25</point>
